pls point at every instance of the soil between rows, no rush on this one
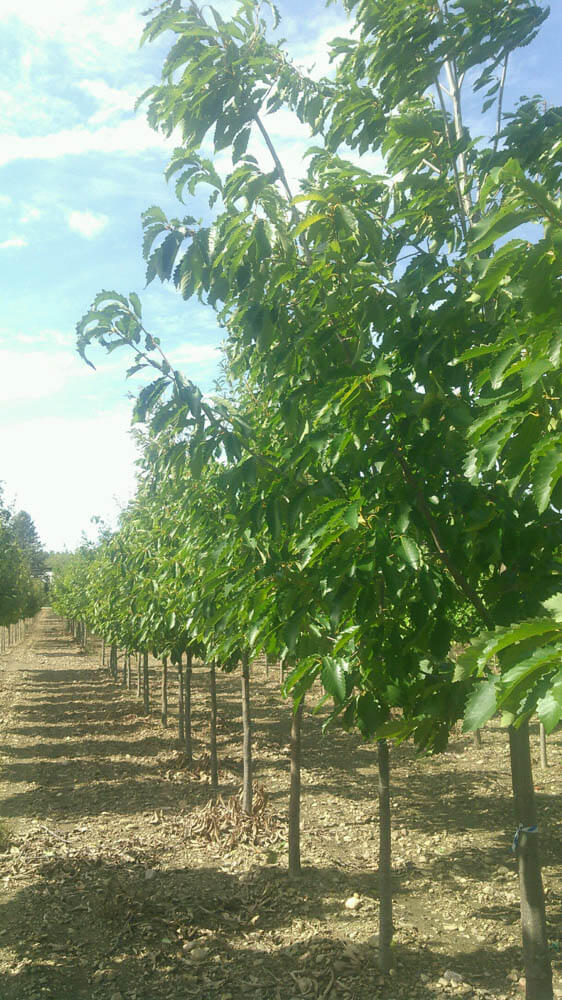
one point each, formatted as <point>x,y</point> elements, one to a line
<point>119,882</point>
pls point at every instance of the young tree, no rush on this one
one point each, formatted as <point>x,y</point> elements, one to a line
<point>380,331</point>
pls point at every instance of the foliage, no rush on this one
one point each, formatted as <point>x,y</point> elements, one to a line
<point>387,453</point>
<point>21,566</point>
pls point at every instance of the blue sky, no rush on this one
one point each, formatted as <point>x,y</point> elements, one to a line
<point>77,168</point>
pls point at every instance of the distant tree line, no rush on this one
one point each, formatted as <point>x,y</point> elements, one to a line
<point>23,569</point>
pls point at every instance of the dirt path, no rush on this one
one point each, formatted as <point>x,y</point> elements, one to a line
<point>119,883</point>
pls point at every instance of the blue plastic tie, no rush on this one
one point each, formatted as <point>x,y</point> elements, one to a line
<point>522,829</point>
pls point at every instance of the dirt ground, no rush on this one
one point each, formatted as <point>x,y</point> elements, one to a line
<point>110,888</point>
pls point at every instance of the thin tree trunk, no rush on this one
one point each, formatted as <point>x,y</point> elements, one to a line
<point>247,736</point>
<point>103,652</point>
<point>477,738</point>
<point>113,660</point>
<point>164,712</point>
<point>139,682</point>
<point>295,794</point>
<point>385,860</point>
<point>181,725</point>
<point>128,671</point>
<point>542,739</point>
<point>124,668</point>
<point>214,759</point>
<point>187,708</point>
<point>145,683</point>
<point>536,960</point>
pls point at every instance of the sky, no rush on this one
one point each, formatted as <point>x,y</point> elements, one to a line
<point>77,168</point>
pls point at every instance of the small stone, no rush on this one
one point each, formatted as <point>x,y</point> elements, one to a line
<point>353,902</point>
<point>198,954</point>
<point>513,976</point>
<point>452,977</point>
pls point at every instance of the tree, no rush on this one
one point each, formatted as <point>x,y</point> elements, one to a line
<point>364,330</point>
<point>21,593</point>
<point>30,543</point>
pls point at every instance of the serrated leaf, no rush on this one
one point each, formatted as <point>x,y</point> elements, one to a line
<point>481,706</point>
<point>554,605</point>
<point>489,644</point>
<point>546,475</point>
<point>549,708</point>
<point>308,222</point>
<point>410,551</point>
<point>351,516</point>
<point>333,677</point>
<point>136,303</point>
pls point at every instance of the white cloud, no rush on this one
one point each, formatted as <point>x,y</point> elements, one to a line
<point>132,136</point>
<point>87,224</point>
<point>46,337</point>
<point>89,29</point>
<point>74,469</point>
<point>28,375</point>
<point>111,100</point>
<point>313,54</point>
<point>15,241</point>
<point>30,214</point>
<point>195,354</point>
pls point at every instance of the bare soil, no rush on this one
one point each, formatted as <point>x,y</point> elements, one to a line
<point>119,880</point>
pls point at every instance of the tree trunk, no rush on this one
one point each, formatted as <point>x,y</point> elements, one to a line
<point>536,960</point>
<point>139,683</point>
<point>247,736</point>
<point>187,708</point>
<point>84,637</point>
<point>214,760</point>
<point>181,724</point>
<point>145,683</point>
<point>103,652</point>
<point>385,860</point>
<point>542,739</point>
<point>124,668</point>
<point>295,794</point>
<point>164,712</point>
<point>128,671</point>
<point>477,738</point>
<point>113,660</point>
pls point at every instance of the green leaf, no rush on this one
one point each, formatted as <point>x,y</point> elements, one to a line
<point>549,708</point>
<point>410,551</point>
<point>489,644</point>
<point>308,222</point>
<point>554,606</point>
<point>334,677</point>
<point>481,706</point>
<point>545,477</point>
<point>496,224</point>
<point>136,303</point>
<point>351,516</point>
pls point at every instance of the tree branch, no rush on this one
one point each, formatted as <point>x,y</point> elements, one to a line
<point>459,578</point>
<point>276,160</point>
<point>462,215</point>
<point>500,103</point>
<point>451,72</point>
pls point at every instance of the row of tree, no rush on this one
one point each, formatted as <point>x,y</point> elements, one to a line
<point>380,476</point>
<point>22,566</point>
